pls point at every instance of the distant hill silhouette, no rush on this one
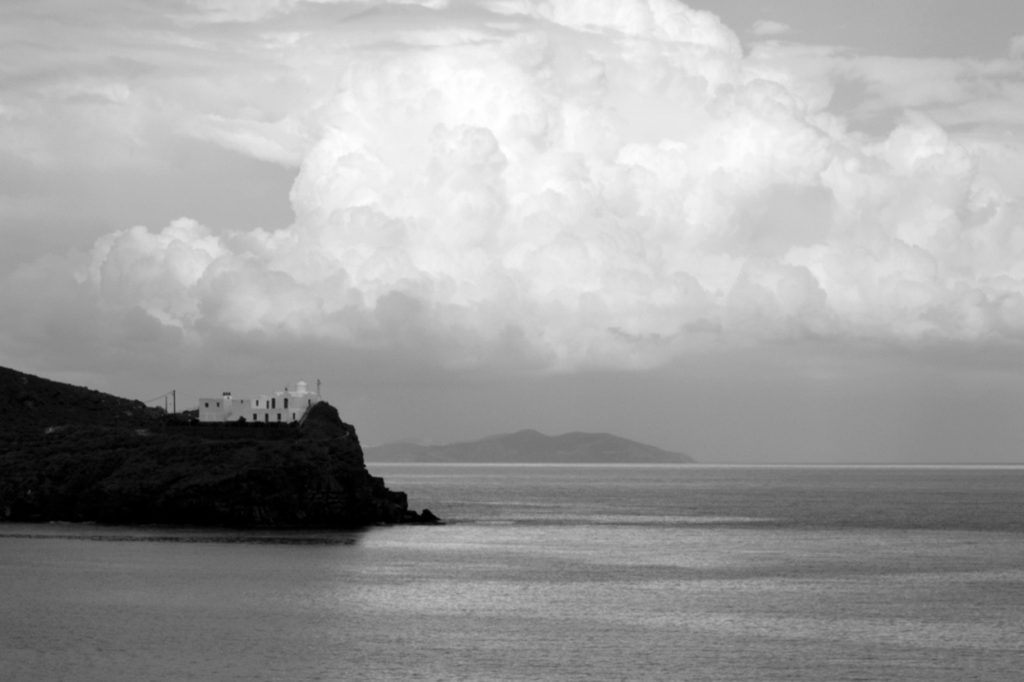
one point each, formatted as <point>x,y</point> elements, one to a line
<point>531,447</point>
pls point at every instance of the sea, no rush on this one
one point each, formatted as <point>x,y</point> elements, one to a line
<point>580,572</point>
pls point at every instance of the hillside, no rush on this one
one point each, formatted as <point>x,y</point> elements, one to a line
<point>531,447</point>
<point>73,454</point>
<point>29,403</point>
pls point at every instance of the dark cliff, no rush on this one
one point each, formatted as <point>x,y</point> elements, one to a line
<point>73,454</point>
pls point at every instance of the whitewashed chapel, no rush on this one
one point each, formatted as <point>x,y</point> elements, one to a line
<point>280,407</point>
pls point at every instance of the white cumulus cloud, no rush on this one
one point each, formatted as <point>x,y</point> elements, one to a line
<point>572,184</point>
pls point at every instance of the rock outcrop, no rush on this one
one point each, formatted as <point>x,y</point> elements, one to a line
<point>72,454</point>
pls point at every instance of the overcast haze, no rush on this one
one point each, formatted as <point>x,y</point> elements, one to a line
<point>772,231</point>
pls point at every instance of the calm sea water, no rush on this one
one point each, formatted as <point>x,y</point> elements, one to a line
<point>551,573</point>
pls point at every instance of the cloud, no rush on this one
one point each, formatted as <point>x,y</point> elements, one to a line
<point>766,27</point>
<point>567,185</point>
<point>1017,47</point>
<point>960,92</point>
<point>238,11</point>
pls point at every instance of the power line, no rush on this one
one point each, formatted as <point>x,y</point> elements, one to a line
<point>172,394</point>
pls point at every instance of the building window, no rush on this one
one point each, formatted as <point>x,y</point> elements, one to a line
<point>266,417</point>
<point>293,416</point>
<point>278,416</point>
<point>254,416</point>
<point>206,404</point>
<point>273,403</point>
<point>286,403</point>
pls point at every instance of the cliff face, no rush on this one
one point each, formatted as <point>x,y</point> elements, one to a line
<point>94,457</point>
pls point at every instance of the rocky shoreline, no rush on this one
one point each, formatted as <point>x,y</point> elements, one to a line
<point>71,454</point>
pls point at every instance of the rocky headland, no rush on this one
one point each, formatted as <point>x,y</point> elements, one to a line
<point>74,454</point>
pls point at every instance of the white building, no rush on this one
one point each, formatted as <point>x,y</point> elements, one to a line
<point>280,407</point>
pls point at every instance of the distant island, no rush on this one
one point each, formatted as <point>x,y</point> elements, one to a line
<point>74,454</point>
<point>531,447</point>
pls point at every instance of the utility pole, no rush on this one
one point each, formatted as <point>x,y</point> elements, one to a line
<point>174,401</point>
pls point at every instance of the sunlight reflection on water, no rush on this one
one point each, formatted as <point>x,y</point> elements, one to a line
<point>620,581</point>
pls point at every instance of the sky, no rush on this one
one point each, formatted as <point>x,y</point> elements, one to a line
<point>769,232</point>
